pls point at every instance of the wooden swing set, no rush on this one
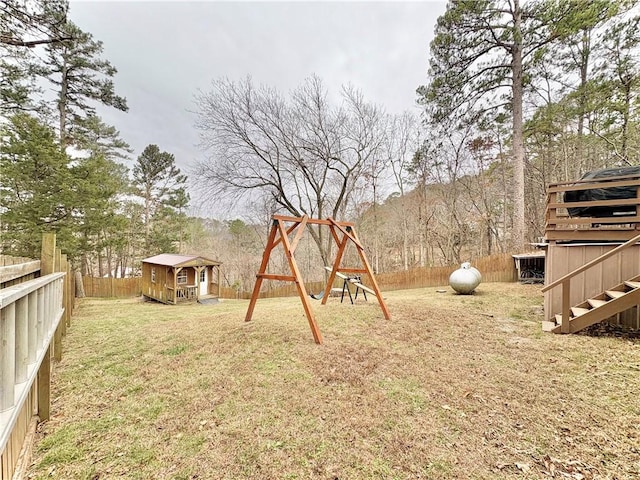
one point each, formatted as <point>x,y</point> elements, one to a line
<point>342,233</point>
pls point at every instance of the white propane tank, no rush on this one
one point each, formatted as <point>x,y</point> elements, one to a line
<point>465,279</point>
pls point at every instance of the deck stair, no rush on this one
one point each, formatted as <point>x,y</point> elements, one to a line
<point>594,310</point>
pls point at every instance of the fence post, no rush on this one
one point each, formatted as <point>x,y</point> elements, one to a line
<point>47,266</point>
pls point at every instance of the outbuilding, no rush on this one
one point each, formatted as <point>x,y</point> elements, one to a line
<point>171,278</point>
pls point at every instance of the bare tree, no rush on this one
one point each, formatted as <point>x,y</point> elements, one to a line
<point>403,141</point>
<point>301,153</point>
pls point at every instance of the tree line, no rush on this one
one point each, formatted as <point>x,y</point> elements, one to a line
<point>516,95</point>
<point>60,165</point>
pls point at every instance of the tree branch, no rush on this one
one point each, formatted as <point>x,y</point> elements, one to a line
<point>8,40</point>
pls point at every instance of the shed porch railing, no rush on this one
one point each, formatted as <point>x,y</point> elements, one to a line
<point>182,293</point>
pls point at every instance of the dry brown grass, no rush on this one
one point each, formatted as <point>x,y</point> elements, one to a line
<point>453,387</point>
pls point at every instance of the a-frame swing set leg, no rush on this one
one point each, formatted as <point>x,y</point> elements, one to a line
<point>289,248</point>
<point>262,271</point>
<point>279,234</point>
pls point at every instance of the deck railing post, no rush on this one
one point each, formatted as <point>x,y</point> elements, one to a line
<point>46,318</point>
<point>33,327</point>
<point>64,267</point>
<point>566,302</point>
<point>60,329</point>
<point>40,318</point>
<point>22,338</point>
<point>44,387</point>
<point>7,356</point>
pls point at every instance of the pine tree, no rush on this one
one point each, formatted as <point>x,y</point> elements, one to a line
<point>36,192</point>
<point>161,185</point>
<point>81,77</point>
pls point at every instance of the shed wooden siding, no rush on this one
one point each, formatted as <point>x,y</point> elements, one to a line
<point>564,258</point>
<point>156,289</point>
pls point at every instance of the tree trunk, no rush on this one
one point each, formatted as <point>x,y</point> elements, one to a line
<point>79,284</point>
<point>62,104</point>
<point>405,243</point>
<point>147,216</point>
<point>625,121</point>
<point>518,232</point>
<point>100,265</point>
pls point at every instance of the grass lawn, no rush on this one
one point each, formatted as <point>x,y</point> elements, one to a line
<point>453,387</point>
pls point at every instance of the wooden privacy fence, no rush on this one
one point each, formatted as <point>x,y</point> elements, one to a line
<point>112,287</point>
<point>34,314</point>
<point>494,268</point>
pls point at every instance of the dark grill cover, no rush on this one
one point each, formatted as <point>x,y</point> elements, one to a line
<point>613,193</point>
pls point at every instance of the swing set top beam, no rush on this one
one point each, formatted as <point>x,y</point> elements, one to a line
<point>313,221</point>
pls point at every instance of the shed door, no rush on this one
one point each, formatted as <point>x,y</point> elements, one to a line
<point>203,290</point>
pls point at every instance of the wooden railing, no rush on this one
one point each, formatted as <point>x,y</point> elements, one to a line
<point>565,281</point>
<point>187,292</point>
<point>179,294</point>
<point>31,312</point>
<point>36,301</point>
<point>619,223</point>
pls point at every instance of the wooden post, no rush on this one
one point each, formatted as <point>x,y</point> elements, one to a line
<point>374,283</point>
<point>219,279</point>
<point>262,270</point>
<point>565,326</point>
<point>342,245</point>
<point>7,356</point>
<point>40,318</point>
<point>72,291</point>
<point>22,338</point>
<point>44,387</point>
<point>66,289</point>
<point>33,327</point>
<point>47,266</point>
<point>48,254</point>
<point>62,326</point>
<point>302,291</point>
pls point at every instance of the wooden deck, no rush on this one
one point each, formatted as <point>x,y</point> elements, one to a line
<point>620,223</point>
<point>581,233</point>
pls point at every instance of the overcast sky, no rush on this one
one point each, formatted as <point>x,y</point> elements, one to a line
<point>166,51</point>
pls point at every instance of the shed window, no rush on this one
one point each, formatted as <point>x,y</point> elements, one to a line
<point>203,276</point>
<point>182,277</point>
<point>153,275</point>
